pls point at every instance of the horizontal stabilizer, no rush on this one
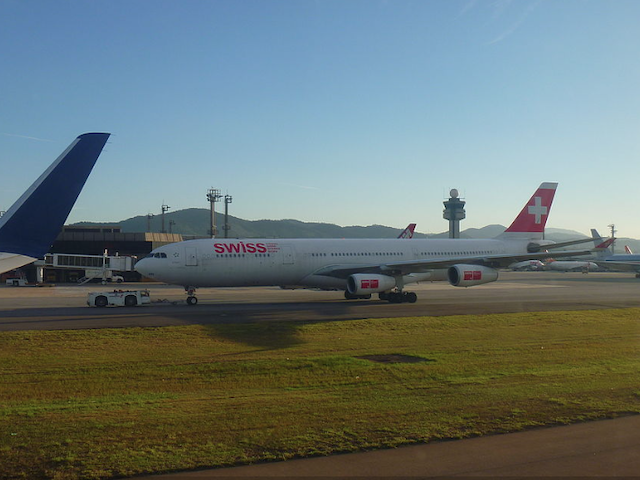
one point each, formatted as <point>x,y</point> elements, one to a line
<point>32,224</point>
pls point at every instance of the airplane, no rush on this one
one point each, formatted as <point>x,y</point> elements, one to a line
<point>570,265</point>
<point>32,223</point>
<point>601,247</point>
<point>627,262</point>
<point>531,265</point>
<point>359,267</point>
<point>408,232</point>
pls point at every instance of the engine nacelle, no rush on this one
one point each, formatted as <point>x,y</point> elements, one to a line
<point>470,275</point>
<point>363,284</point>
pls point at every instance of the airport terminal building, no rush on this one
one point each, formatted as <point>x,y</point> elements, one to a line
<point>79,252</point>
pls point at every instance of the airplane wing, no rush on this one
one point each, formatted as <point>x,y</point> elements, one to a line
<point>623,266</point>
<point>422,266</point>
<point>536,248</point>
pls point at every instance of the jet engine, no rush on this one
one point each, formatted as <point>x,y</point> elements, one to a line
<point>470,275</point>
<point>364,284</point>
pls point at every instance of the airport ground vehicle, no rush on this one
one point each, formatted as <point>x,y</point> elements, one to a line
<point>118,298</point>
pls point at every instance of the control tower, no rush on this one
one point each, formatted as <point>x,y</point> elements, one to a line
<point>454,212</point>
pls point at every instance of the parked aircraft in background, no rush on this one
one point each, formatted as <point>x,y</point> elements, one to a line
<point>570,265</point>
<point>627,262</point>
<point>33,222</point>
<point>601,248</point>
<point>529,265</point>
<point>360,267</point>
<point>408,232</point>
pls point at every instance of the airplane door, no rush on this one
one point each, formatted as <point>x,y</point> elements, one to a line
<point>287,255</point>
<point>191,257</point>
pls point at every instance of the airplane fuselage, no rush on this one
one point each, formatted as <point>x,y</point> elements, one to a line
<point>294,262</point>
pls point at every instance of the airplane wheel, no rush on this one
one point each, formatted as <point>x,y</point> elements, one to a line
<point>192,300</point>
<point>410,297</point>
<point>394,297</point>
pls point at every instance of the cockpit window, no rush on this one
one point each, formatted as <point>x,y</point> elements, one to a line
<point>157,255</point>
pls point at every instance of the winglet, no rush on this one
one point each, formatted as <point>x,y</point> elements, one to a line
<point>32,223</point>
<point>533,216</point>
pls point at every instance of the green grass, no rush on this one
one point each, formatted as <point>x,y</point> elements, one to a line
<point>119,402</point>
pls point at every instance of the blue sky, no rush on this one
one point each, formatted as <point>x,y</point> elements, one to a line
<point>353,112</point>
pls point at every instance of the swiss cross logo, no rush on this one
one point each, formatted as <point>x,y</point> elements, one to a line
<point>473,275</point>
<point>538,209</point>
<point>368,284</point>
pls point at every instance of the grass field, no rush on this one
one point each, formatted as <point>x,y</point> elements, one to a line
<point>119,402</point>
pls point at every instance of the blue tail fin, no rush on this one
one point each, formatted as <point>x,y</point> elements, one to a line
<point>31,225</point>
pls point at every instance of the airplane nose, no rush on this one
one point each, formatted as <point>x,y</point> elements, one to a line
<point>142,267</point>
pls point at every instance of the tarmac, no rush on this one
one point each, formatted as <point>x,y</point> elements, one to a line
<point>605,448</point>
<point>64,306</point>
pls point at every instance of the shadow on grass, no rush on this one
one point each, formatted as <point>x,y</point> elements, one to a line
<point>265,335</point>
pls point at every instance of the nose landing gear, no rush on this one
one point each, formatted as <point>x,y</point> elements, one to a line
<point>191,295</point>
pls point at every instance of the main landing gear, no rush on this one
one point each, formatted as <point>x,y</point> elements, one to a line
<point>191,295</point>
<point>392,297</point>
<point>398,297</point>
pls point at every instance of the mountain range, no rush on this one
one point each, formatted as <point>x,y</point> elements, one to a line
<point>195,222</point>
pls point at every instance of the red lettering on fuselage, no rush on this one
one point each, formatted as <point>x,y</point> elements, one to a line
<point>240,247</point>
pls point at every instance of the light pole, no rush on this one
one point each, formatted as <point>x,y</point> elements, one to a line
<point>213,195</point>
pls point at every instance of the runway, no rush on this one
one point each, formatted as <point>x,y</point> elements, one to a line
<point>64,307</point>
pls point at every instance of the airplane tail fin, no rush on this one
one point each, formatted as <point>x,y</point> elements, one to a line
<point>32,223</point>
<point>530,222</point>
<point>601,246</point>
<point>408,232</point>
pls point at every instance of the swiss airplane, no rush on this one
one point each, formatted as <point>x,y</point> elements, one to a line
<point>32,223</point>
<point>359,267</point>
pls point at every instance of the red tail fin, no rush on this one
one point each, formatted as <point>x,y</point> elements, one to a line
<point>533,216</point>
<point>607,243</point>
<point>408,232</point>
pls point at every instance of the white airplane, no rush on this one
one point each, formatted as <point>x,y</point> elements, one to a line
<point>570,265</point>
<point>529,265</point>
<point>33,222</point>
<point>360,267</point>
<point>601,246</point>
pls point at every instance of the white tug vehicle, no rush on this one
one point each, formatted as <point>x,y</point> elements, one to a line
<point>119,298</point>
